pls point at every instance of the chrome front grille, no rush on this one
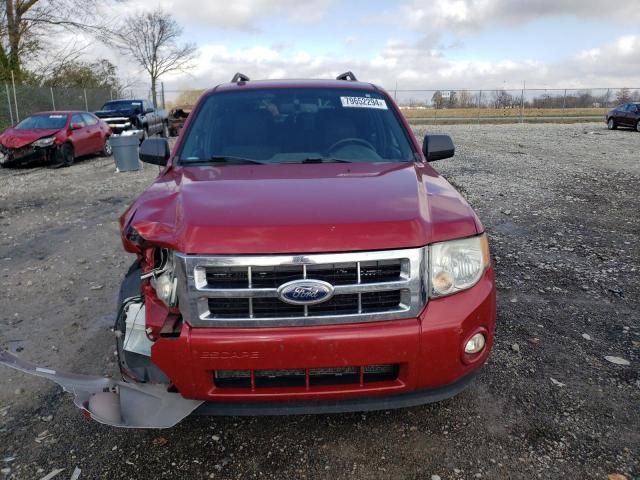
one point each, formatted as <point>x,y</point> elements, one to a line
<point>237,291</point>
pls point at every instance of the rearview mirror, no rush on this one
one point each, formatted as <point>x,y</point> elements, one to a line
<point>155,151</point>
<point>438,147</point>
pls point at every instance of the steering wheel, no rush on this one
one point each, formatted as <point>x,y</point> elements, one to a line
<point>347,141</point>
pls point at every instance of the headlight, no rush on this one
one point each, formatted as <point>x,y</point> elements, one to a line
<point>164,280</point>
<point>457,264</point>
<point>44,142</point>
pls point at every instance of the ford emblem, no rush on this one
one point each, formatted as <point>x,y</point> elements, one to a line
<point>305,292</point>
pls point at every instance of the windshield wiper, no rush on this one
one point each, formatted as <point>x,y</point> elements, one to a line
<point>225,159</point>
<point>320,160</point>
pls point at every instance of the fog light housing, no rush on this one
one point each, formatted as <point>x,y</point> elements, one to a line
<point>475,344</point>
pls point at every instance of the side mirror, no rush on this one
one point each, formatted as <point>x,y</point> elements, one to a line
<point>155,151</point>
<point>438,147</point>
<point>75,126</point>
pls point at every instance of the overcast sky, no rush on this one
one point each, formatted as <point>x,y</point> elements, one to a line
<point>446,44</point>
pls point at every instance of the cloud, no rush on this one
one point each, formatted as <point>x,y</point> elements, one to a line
<point>237,14</point>
<point>615,64</point>
<point>464,15</point>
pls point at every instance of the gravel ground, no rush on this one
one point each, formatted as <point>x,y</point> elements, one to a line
<point>560,203</point>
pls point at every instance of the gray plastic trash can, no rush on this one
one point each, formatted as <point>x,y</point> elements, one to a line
<point>125,152</point>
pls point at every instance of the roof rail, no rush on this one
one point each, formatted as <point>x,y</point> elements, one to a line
<point>239,77</point>
<point>348,76</point>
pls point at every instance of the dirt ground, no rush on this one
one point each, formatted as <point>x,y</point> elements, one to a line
<point>560,203</point>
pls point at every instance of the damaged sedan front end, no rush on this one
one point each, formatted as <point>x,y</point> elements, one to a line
<point>44,150</point>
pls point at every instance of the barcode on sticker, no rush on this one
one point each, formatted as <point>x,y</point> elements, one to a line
<point>364,102</point>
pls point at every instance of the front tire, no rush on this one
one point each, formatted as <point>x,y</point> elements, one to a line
<point>107,149</point>
<point>66,155</point>
<point>5,161</point>
<point>638,126</point>
<point>611,124</point>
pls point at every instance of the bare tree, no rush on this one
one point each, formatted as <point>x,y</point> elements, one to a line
<point>26,26</point>
<point>623,95</point>
<point>502,99</point>
<point>437,99</point>
<point>152,40</point>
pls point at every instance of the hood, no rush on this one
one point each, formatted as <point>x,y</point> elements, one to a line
<point>127,112</point>
<point>17,138</point>
<point>303,208</point>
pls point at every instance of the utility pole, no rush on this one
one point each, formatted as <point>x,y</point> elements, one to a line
<point>15,98</point>
<point>9,102</point>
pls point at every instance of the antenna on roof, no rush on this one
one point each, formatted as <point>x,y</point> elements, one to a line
<point>348,76</point>
<point>239,77</point>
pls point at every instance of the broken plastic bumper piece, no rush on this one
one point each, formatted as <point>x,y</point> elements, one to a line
<point>113,402</point>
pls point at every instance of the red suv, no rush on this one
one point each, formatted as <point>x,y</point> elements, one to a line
<point>297,254</point>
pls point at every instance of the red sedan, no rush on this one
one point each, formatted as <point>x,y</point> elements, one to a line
<point>55,137</point>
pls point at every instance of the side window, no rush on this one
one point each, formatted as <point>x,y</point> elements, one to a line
<point>89,119</point>
<point>77,118</point>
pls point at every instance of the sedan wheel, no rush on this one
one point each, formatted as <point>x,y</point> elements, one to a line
<point>638,126</point>
<point>107,150</point>
<point>66,155</point>
<point>611,124</point>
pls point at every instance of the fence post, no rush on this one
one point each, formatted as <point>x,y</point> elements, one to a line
<point>53,100</point>
<point>9,102</point>
<point>522,102</point>
<point>86,104</point>
<point>564,104</point>
<point>15,98</point>
<point>479,100</point>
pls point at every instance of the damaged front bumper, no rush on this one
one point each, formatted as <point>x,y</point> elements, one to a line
<point>29,153</point>
<point>112,402</point>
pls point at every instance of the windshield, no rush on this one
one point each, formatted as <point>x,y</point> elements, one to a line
<point>123,105</point>
<point>296,125</point>
<point>50,122</point>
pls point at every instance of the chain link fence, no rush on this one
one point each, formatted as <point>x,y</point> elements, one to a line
<point>491,106</point>
<point>18,104</point>
<point>508,106</point>
<point>432,106</point>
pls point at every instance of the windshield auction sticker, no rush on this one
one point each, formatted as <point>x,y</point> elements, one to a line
<point>364,102</point>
